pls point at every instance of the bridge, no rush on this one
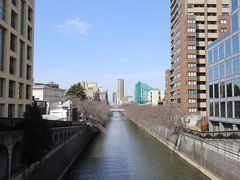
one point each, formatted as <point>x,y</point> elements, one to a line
<point>11,140</point>
<point>117,110</point>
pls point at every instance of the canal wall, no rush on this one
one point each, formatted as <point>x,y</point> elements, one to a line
<point>58,161</point>
<point>218,159</point>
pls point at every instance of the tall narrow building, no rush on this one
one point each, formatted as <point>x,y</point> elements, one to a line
<point>194,25</point>
<point>120,91</point>
<point>16,56</point>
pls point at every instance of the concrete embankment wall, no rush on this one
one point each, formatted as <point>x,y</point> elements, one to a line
<point>57,162</point>
<point>212,157</point>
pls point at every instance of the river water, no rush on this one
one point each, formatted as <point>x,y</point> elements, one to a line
<point>127,152</point>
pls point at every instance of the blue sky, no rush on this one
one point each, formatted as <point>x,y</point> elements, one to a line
<point>102,41</point>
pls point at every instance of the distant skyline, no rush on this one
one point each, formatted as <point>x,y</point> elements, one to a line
<point>101,41</point>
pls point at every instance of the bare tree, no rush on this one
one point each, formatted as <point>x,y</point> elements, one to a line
<point>94,113</point>
<point>170,116</point>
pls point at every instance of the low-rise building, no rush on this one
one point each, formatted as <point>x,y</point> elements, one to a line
<point>48,92</point>
<point>61,111</point>
<point>154,97</point>
<point>91,89</point>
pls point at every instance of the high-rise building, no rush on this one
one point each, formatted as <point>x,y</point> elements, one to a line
<point>224,77</point>
<point>194,25</point>
<point>167,86</point>
<point>114,99</point>
<point>120,91</point>
<point>16,56</point>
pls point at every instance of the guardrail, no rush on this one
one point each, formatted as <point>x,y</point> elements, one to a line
<point>214,135</point>
<point>11,124</point>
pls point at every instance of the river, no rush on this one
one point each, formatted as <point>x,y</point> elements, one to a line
<point>127,152</point>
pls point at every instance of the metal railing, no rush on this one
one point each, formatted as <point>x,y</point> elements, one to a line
<point>214,135</point>
<point>13,124</point>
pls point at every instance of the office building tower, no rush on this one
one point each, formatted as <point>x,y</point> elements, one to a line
<point>16,56</point>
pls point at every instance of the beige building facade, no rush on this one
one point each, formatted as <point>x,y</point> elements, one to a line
<point>16,56</point>
<point>194,25</point>
<point>120,91</point>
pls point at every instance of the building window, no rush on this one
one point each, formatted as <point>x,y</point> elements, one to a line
<point>190,5</point>
<point>229,109</point>
<point>223,21</point>
<point>2,86</point>
<point>237,109</point>
<point>234,5</point>
<point>21,54</point>
<point>29,33</point>
<point>235,25</point>
<point>192,91</point>
<point>236,65</point>
<point>13,20</point>
<point>22,23</point>
<point>215,71</point>
<point>191,30</point>
<point>191,21</point>
<point>211,91</point>
<point>224,30</point>
<point>192,74</point>
<point>192,65</point>
<point>28,75</point>
<point>2,110</point>
<point>229,89</point>
<point>192,101</point>
<point>13,42</point>
<point>191,47</point>
<point>237,88</point>
<point>235,43</point>
<point>29,52</point>
<point>30,14</point>
<point>210,74</point>
<point>192,83</point>
<point>222,90</point>
<point>191,38</point>
<point>216,109</point>
<point>11,110</point>
<point>228,68</point>
<point>20,91</point>
<point>28,91</point>
<point>216,91</point>
<point>11,89</point>
<point>2,9</point>
<point>223,109</point>
<point>2,42</point>
<point>20,110</point>
<point>211,109</point>
<point>221,51</point>
<point>228,47</point>
<point>215,55</point>
<point>221,70</point>
<point>192,110</point>
<point>191,56</point>
<point>12,65</point>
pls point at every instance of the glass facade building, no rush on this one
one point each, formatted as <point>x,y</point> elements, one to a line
<point>224,77</point>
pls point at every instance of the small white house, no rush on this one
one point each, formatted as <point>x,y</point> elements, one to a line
<point>62,110</point>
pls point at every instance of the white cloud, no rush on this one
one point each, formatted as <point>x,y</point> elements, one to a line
<point>73,26</point>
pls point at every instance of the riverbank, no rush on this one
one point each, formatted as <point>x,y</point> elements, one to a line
<point>211,158</point>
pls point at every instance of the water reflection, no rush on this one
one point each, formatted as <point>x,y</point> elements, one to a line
<point>126,152</point>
